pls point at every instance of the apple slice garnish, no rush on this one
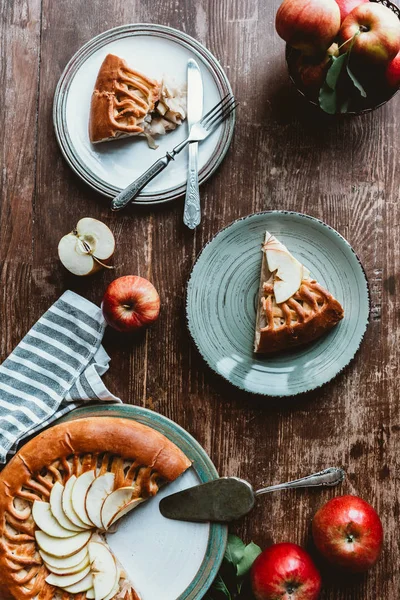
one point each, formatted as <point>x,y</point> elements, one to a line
<point>90,595</point>
<point>57,509</point>
<point>101,487</point>
<point>62,547</point>
<point>69,570</point>
<point>288,270</point>
<point>44,519</point>
<point>125,510</point>
<point>68,507</point>
<point>104,569</point>
<point>87,247</point>
<point>64,562</point>
<point>63,581</point>
<point>114,503</point>
<point>115,589</point>
<point>82,586</point>
<point>78,497</point>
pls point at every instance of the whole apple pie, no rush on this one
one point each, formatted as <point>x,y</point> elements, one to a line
<point>128,103</point>
<point>293,309</point>
<point>59,496</point>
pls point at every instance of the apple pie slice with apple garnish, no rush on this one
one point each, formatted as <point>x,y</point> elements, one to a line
<point>293,309</point>
<point>127,103</point>
<point>60,495</point>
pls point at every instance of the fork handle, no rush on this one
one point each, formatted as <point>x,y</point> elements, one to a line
<point>133,190</point>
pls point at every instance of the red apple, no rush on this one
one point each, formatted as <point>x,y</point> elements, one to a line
<point>287,572</point>
<point>348,533</point>
<point>312,71</point>
<point>346,6</point>
<point>130,302</point>
<point>378,40</point>
<point>393,72</point>
<point>308,25</point>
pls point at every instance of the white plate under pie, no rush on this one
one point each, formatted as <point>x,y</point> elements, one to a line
<point>109,167</point>
<point>165,559</point>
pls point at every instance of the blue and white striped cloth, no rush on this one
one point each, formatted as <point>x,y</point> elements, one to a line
<point>55,368</point>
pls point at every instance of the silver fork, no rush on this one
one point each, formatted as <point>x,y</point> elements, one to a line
<point>199,132</point>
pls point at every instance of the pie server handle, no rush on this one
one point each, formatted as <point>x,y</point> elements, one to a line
<point>229,498</point>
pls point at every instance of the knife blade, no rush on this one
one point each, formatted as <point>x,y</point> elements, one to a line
<point>192,213</point>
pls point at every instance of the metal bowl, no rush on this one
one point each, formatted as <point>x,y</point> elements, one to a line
<point>292,54</point>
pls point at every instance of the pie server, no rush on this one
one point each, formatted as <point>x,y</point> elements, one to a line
<point>229,498</point>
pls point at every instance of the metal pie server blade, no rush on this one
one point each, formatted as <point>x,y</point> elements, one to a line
<point>229,498</point>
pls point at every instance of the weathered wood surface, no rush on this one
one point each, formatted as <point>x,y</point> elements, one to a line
<point>283,156</point>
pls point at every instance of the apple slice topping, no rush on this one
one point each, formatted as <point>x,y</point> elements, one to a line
<point>87,247</point>
<point>125,510</point>
<point>57,509</point>
<point>70,570</point>
<point>90,594</point>
<point>62,547</point>
<point>114,503</point>
<point>64,562</point>
<point>289,272</point>
<point>78,496</point>
<point>64,581</point>
<point>104,569</point>
<point>115,589</point>
<point>101,487</point>
<point>82,586</point>
<point>45,520</point>
<point>68,507</point>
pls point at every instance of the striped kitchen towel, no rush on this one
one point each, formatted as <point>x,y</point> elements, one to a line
<point>55,368</point>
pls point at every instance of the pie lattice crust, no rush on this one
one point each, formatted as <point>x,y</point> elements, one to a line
<point>137,455</point>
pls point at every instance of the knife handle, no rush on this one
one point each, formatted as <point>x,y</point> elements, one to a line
<point>192,213</point>
<point>130,192</point>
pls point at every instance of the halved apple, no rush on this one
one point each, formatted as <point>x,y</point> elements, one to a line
<point>82,586</point>
<point>62,547</point>
<point>64,562</point>
<point>70,570</point>
<point>57,509</point>
<point>125,510</point>
<point>104,569</point>
<point>78,497</point>
<point>44,519</point>
<point>101,487</point>
<point>68,507</point>
<point>288,270</point>
<point>90,240</point>
<point>64,581</point>
<point>114,503</point>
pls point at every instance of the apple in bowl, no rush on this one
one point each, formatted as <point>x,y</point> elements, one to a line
<point>285,571</point>
<point>346,6</point>
<point>130,303</point>
<point>348,532</point>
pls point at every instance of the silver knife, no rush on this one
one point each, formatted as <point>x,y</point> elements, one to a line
<point>192,212</point>
<point>229,498</point>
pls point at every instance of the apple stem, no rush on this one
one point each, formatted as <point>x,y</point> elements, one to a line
<point>352,37</point>
<point>89,250</point>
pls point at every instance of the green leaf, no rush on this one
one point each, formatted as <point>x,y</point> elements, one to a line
<point>357,84</point>
<point>234,550</point>
<point>250,554</point>
<point>328,99</point>
<point>219,586</point>
<point>335,70</point>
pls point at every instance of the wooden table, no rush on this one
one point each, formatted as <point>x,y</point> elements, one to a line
<point>283,156</point>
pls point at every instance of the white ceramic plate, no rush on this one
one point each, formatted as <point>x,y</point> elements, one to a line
<point>109,167</point>
<point>170,560</point>
<point>222,297</point>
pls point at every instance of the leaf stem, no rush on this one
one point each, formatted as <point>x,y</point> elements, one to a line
<point>352,39</point>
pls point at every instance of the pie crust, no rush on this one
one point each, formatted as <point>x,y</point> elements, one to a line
<point>304,317</point>
<point>135,453</point>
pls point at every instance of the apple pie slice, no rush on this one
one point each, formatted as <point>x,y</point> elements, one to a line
<point>60,495</point>
<point>293,309</point>
<point>126,103</point>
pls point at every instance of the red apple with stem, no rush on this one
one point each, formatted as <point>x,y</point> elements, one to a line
<point>373,30</point>
<point>287,572</point>
<point>348,532</point>
<point>346,6</point>
<point>130,303</point>
<point>308,25</point>
<point>393,72</point>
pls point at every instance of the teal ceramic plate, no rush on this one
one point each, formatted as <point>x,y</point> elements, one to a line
<point>166,559</point>
<point>222,293</point>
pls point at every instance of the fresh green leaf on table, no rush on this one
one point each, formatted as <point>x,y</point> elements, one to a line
<point>234,550</point>
<point>251,552</point>
<point>219,586</point>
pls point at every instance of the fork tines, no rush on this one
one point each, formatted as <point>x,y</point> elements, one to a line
<point>219,112</point>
